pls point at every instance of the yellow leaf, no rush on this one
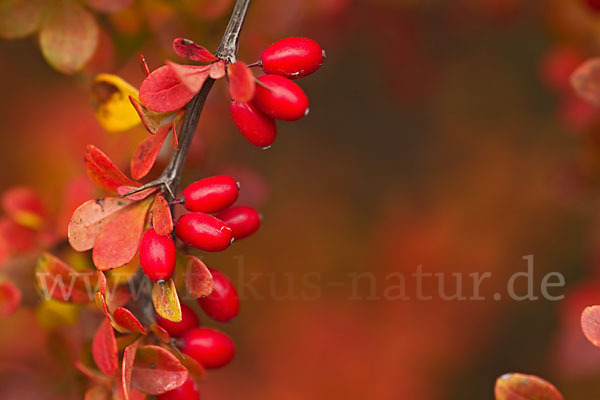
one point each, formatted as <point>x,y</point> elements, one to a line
<point>113,108</point>
<point>166,302</point>
<point>52,314</point>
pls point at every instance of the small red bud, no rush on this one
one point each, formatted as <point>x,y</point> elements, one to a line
<point>189,320</point>
<point>157,256</point>
<point>211,194</point>
<point>280,98</point>
<point>187,391</point>
<point>242,220</point>
<point>257,127</point>
<point>210,347</point>
<point>203,231</point>
<point>223,303</point>
<point>293,57</point>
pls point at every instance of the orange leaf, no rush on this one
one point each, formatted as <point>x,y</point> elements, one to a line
<point>525,387</point>
<point>166,302</point>
<point>24,206</point>
<point>98,392</point>
<point>162,221</point>
<point>109,6</point>
<point>198,279</point>
<point>10,297</point>
<point>128,360</point>
<point>160,333</point>
<point>68,36</point>
<point>60,282</point>
<point>192,76</point>
<point>89,219</point>
<point>162,91</point>
<point>104,349</point>
<point>586,81</point>
<point>157,371</point>
<point>146,153</point>
<point>188,49</point>
<point>152,120</point>
<point>127,320</point>
<point>241,82</point>
<point>193,366</point>
<point>103,171</point>
<point>19,18</point>
<point>118,241</point>
<point>95,376</point>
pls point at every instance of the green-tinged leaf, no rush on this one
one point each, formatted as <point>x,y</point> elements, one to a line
<point>162,220</point>
<point>113,107</point>
<point>104,349</point>
<point>241,82</point>
<point>57,280</point>
<point>127,367</point>
<point>118,241</point>
<point>10,298</point>
<point>103,171</point>
<point>166,301</point>
<point>68,36</point>
<point>198,279</point>
<point>156,370</point>
<point>127,320</point>
<point>89,219</point>
<point>516,386</point>
<point>19,18</point>
<point>146,153</point>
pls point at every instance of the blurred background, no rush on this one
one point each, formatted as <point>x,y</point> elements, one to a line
<point>441,134</point>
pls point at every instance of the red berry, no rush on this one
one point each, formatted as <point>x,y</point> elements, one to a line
<point>203,231</point>
<point>187,391</point>
<point>594,5</point>
<point>157,256</point>
<point>242,220</point>
<point>257,127</point>
<point>210,347</point>
<point>280,98</point>
<point>211,194</point>
<point>293,57</point>
<point>189,320</point>
<point>223,303</point>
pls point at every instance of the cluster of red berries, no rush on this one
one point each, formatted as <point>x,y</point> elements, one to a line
<point>276,96</point>
<point>199,228</point>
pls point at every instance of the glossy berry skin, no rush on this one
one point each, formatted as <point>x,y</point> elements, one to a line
<point>157,256</point>
<point>281,98</point>
<point>223,304</point>
<point>257,127</point>
<point>211,194</point>
<point>203,231</point>
<point>210,347</point>
<point>242,220</point>
<point>293,57</point>
<point>189,320</point>
<point>187,391</point>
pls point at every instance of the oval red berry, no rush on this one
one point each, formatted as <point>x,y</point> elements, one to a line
<point>189,320</point>
<point>242,220</point>
<point>257,127</point>
<point>280,98</point>
<point>203,231</point>
<point>157,256</point>
<point>210,347</point>
<point>187,391</point>
<point>293,57</point>
<point>211,194</point>
<point>223,303</point>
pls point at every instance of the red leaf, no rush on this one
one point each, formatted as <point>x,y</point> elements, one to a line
<point>103,171</point>
<point>198,279</point>
<point>104,349</point>
<point>586,81</point>
<point>160,333</point>
<point>192,76</point>
<point>24,206</point>
<point>77,192</point>
<point>525,387</point>
<point>146,153</point>
<point>162,91</point>
<point>95,376</point>
<point>60,282</point>
<point>157,371</point>
<point>127,368</point>
<point>127,320</point>
<point>590,324</point>
<point>90,218</point>
<point>162,220</point>
<point>241,81</point>
<point>152,120</point>
<point>217,70</point>
<point>193,366</point>
<point>109,6</point>
<point>118,241</point>
<point>123,190</point>
<point>10,297</point>
<point>188,49</point>
<point>15,238</point>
